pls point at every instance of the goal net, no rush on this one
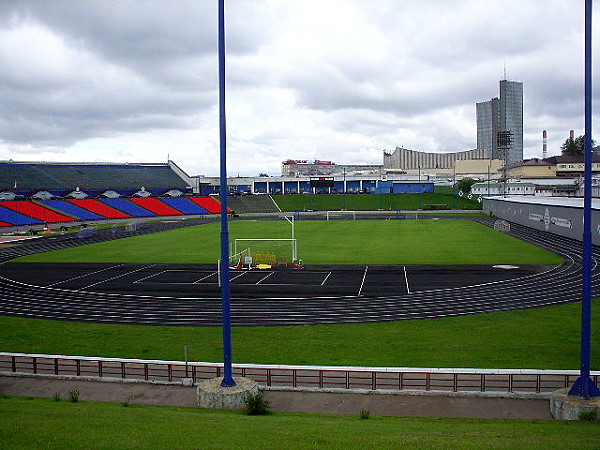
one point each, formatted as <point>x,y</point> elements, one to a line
<point>270,252</point>
<point>241,260</point>
<point>341,215</point>
<point>502,225</point>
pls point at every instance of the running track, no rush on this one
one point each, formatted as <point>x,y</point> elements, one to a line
<point>561,284</point>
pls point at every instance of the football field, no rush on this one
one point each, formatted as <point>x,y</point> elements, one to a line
<point>323,242</point>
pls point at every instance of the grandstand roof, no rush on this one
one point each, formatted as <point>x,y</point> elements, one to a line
<point>97,176</point>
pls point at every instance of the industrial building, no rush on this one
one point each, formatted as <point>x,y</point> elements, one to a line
<point>562,216</point>
<point>306,168</point>
<point>403,159</point>
<point>308,185</point>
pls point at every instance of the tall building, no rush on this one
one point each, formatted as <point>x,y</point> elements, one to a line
<point>487,126</point>
<point>500,123</point>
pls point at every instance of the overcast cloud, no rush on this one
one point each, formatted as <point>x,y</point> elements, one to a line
<point>341,80</point>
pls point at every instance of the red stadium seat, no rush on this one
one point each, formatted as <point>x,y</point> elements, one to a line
<point>208,203</point>
<point>36,211</point>
<point>156,206</point>
<point>100,208</point>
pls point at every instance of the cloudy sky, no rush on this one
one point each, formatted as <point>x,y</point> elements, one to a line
<point>341,80</point>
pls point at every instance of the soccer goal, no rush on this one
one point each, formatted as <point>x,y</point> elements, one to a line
<point>341,215</point>
<point>272,252</point>
<point>502,225</point>
<point>132,226</point>
<point>241,260</point>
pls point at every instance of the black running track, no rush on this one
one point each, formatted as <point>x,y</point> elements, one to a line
<point>188,295</point>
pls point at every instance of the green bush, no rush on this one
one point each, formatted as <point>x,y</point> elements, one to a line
<point>589,416</point>
<point>256,404</point>
<point>74,395</point>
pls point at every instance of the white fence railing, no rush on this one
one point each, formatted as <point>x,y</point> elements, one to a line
<point>515,381</point>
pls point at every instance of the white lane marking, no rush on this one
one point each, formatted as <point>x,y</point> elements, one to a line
<point>326,278</point>
<point>85,275</point>
<point>211,274</point>
<point>406,280</point>
<point>363,280</point>
<point>264,278</point>
<point>119,276</point>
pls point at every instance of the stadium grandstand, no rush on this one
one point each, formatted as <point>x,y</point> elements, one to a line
<point>60,193</point>
<point>62,179</point>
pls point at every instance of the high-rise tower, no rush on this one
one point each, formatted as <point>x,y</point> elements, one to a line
<point>500,123</point>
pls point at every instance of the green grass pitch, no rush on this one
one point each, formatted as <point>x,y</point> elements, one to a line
<point>324,242</point>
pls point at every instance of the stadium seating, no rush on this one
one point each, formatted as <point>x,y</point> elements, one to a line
<point>100,208</point>
<point>36,211</point>
<point>31,177</point>
<point>208,203</point>
<point>72,210</point>
<point>251,203</point>
<point>15,213</point>
<point>14,218</point>
<point>128,207</point>
<point>156,206</point>
<point>184,205</point>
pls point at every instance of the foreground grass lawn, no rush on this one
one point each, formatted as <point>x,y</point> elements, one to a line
<point>543,338</point>
<point>43,423</point>
<point>323,242</point>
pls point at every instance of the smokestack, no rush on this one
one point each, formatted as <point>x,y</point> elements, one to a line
<point>544,144</point>
<point>572,135</point>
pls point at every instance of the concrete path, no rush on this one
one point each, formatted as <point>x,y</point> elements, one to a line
<point>426,404</point>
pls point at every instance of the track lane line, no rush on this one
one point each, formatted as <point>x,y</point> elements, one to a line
<point>119,276</point>
<point>406,280</point>
<point>85,275</point>
<point>363,281</point>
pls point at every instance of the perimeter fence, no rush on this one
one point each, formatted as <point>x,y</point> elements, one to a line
<point>503,381</point>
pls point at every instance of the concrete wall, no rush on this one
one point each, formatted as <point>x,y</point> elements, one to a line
<point>559,216</point>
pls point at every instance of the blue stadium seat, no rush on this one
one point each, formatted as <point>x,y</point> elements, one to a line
<point>15,218</point>
<point>73,210</point>
<point>184,205</point>
<point>128,207</point>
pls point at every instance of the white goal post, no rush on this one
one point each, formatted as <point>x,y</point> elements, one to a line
<point>343,215</point>
<point>267,251</point>
<point>502,225</point>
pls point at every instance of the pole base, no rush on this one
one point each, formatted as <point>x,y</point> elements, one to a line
<point>564,406</point>
<point>210,393</point>
<point>585,387</point>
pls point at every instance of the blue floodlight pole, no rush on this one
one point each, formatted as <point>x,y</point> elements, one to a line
<point>225,289</point>
<point>584,386</point>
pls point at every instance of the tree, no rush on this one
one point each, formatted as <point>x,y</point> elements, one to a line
<point>465,184</point>
<point>574,147</point>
